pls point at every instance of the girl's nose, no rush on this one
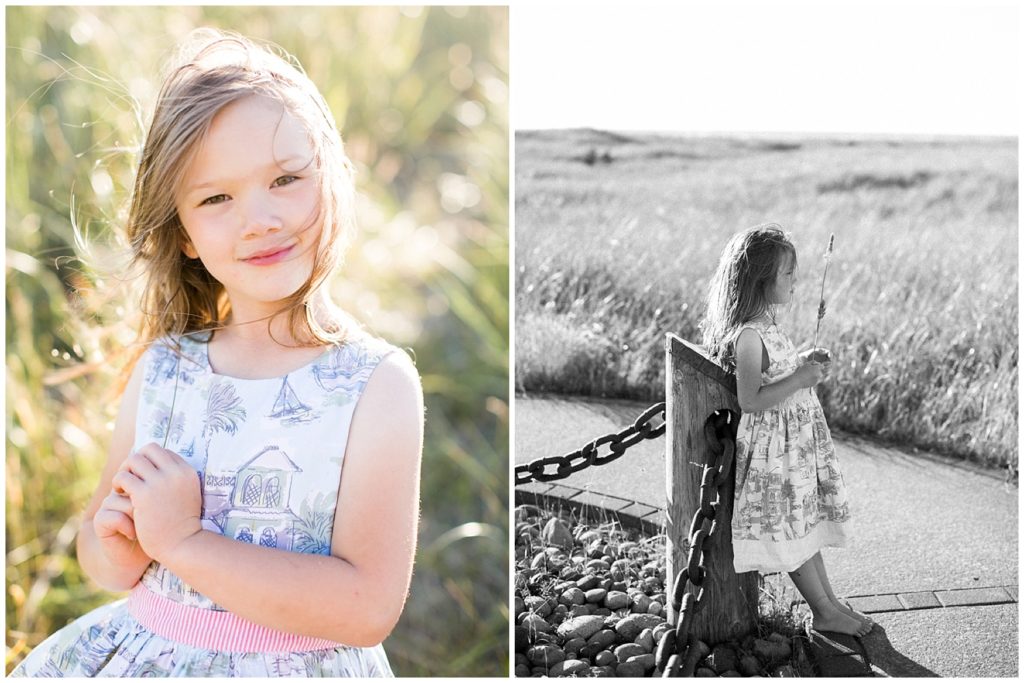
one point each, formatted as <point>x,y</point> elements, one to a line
<point>260,217</point>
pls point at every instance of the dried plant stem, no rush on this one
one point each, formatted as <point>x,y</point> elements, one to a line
<point>821,304</point>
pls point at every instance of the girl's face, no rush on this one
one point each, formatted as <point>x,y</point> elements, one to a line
<point>781,291</point>
<point>249,204</point>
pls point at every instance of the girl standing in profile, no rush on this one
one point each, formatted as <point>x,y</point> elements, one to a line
<point>791,499</point>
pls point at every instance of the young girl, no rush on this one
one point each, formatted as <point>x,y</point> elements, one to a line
<point>790,496</point>
<point>261,496</point>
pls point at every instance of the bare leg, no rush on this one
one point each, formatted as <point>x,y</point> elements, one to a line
<point>823,575</point>
<point>826,616</point>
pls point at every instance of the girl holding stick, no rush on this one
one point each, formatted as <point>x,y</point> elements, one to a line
<point>261,495</point>
<point>791,499</point>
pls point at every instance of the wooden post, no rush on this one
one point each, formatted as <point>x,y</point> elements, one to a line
<point>696,388</point>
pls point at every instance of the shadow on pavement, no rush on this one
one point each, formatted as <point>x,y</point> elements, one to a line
<point>888,661</point>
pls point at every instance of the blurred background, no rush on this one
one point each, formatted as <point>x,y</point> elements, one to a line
<point>421,98</point>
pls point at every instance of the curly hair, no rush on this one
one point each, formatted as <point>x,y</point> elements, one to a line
<point>739,290</point>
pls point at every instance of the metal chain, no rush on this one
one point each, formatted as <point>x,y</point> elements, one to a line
<point>676,653</point>
<point>617,443</point>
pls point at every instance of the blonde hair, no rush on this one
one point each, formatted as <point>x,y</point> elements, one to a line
<point>212,70</point>
<point>739,290</point>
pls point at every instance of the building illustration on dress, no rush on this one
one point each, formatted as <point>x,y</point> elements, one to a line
<point>259,511</point>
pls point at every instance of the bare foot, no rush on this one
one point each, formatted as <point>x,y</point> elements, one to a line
<point>839,622</point>
<point>849,611</point>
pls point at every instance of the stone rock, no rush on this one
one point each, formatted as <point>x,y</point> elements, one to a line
<point>598,566</point>
<point>629,670</point>
<point>620,569</point>
<point>570,667</point>
<point>596,595</point>
<point>603,672</point>
<point>603,611</point>
<point>655,608</point>
<point>784,671</point>
<point>749,666</point>
<point>630,627</point>
<point>722,658</point>
<point>618,586</point>
<point>522,636</point>
<point>730,674</point>
<point>588,582</point>
<point>545,655</point>
<point>704,672</point>
<point>521,660</point>
<point>605,638</point>
<point>590,650</point>
<point>605,658</point>
<point>580,627</point>
<point>646,659</point>
<point>522,671</point>
<point>627,650</point>
<point>573,596</point>
<point>581,610</point>
<point>646,639</point>
<point>573,646</point>
<point>640,603</point>
<point>536,624</point>
<point>660,629</point>
<point>519,606</point>
<point>771,651</point>
<point>616,600</point>
<point>556,534</point>
<point>538,605</point>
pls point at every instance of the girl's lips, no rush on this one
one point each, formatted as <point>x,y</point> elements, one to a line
<point>268,258</point>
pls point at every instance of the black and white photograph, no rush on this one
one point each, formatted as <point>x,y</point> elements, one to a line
<point>766,340</point>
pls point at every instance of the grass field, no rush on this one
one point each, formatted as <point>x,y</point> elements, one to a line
<point>617,236</point>
<point>420,95</point>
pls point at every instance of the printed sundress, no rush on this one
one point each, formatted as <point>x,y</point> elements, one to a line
<point>269,454</point>
<point>791,499</point>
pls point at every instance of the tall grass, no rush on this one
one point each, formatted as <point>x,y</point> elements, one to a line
<point>617,237</point>
<point>421,98</point>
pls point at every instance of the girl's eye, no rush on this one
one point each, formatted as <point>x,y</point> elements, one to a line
<point>215,199</point>
<point>285,180</point>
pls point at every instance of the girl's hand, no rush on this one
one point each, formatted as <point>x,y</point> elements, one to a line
<point>809,374</point>
<point>115,528</point>
<point>165,495</point>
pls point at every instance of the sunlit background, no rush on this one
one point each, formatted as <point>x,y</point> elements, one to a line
<point>421,97</point>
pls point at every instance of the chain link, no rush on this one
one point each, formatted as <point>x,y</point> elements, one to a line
<point>649,425</point>
<point>677,654</point>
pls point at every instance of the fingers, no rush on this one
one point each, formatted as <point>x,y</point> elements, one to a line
<point>118,503</point>
<point>109,522</point>
<point>125,482</point>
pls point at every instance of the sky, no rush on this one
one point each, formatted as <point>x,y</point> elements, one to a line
<point>898,66</point>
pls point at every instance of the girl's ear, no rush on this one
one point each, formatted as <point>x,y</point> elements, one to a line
<point>188,249</point>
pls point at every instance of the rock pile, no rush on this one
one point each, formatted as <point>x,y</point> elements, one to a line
<point>593,602</point>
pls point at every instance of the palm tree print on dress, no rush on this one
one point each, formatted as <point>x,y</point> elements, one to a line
<point>316,522</point>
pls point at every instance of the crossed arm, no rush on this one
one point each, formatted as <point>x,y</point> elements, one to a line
<point>355,595</point>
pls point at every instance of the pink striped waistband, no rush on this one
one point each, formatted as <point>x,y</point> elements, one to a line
<point>213,629</point>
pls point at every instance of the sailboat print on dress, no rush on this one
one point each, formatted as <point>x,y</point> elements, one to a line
<point>346,369</point>
<point>289,408</point>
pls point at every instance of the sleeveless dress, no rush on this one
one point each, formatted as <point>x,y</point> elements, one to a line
<point>269,455</point>
<point>791,499</point>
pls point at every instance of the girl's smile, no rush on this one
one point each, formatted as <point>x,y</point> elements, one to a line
<point>249,203</point>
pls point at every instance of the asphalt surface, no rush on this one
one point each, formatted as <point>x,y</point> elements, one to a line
<point>934,553</point>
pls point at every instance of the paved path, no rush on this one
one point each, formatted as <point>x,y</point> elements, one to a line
<point>934,553</point>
